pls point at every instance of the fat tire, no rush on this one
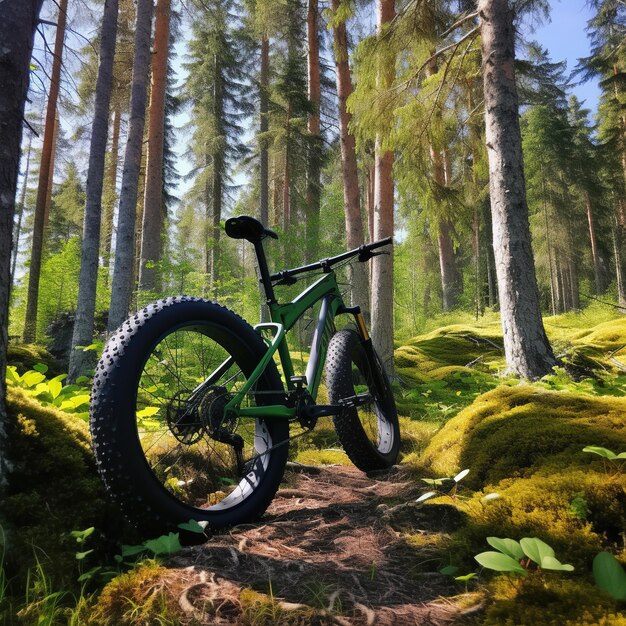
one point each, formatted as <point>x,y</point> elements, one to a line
<point>119,455</point>
<point>345,349</point>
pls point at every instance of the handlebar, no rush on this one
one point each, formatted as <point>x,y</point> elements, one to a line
<point>364,252</point>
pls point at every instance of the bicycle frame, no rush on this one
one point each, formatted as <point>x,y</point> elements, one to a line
<point>284,317</point>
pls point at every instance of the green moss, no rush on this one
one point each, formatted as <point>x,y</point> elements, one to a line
<point>23,356</point>
<point>525,444</point>
<point>54,489</point>
<point>457,344</point>
<point>549,601</point>
<point>136,598</point>
<point>323,457</point>
<point>512,431</point>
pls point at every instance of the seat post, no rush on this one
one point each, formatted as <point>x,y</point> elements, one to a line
<point>265,273</point>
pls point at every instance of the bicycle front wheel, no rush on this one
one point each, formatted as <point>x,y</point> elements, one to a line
<point>165,447</point>
<point>369,432</point>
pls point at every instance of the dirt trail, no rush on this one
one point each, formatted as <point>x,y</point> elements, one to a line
<point>332,546</point>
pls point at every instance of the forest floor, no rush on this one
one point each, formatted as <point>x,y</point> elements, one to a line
<point>333,548</point>
<point>337,546</point>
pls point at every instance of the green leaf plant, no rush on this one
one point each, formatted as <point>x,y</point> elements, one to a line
<point>72,399</point>
<point>616,462</point>
<point>519,558</point>
<point>453,483</point>
<point>610,575</point>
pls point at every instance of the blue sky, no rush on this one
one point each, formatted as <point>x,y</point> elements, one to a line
<point>566,40</point>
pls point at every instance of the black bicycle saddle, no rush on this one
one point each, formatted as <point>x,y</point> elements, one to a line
<point>246,227</point>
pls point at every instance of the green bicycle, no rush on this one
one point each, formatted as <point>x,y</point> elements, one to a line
<point>190,417</point>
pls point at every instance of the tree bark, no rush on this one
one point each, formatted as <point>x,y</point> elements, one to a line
<point>527,350</point>
<point>314,162</point>
<point>18,22</point>
<point>264,127</point>
<point>619,268</point>
<point>152,225</point>
<point>447,266</point>
<point>264,152</point>
<point>45,173</point>
<point>597,263</point>
<point>53,156</point>
<point>20,212</point>
<point>382,266</point>
<point>448,271</point>
<point>88,278</point>
<point>122,284</point>
<point>218,173</point>
<point>110,192</point>
<point>354,224</point>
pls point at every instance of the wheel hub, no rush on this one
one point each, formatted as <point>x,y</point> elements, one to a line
<point>183,418</point>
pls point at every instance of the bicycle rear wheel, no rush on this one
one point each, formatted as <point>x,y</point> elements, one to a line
<point>369,432</point>
<point>163,444</point>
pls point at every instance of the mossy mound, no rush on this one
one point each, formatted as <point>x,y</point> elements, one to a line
<point>54,489</point>
<point>595,347</point>
<point>25,355</point>
<point>458,344</point>
<point>513,431</point>
<point>525,444</point>
<point>137,597</point>
<point>552,601</point>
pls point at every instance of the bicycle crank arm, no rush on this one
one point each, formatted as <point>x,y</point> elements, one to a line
<point>325,410</point>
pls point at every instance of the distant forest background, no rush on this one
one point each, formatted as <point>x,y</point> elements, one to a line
<point>285,105</point>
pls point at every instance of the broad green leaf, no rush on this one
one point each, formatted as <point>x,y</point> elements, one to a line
<point>32,378</point>
<point>461,475</point>
<point>149,411</point>
<point>132,550</point>
<point>193,527</point>
<point>148,424</point>
<point>90,574</point>
<point>40,389</point>
<point>66,404</point>
<point>69,389</point>
<point>90,347</point>
<point>426,496</point>
<point>81,535</point>
<point>536,549</point>
<point>79,400</point>
<point>449,570</point>
<point>12,374</point>
<point>81,380</point>
<point>165,544</point>
<point>54,387</point>
<point>609,575</point>
<point>510,547</point>
<point>81,555</point>
<point>40,367</point>
<point>549,562</point>
<point>499,562</point>
<point>603,452</point>
<point>621,455</point>
<point>465,578</point>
